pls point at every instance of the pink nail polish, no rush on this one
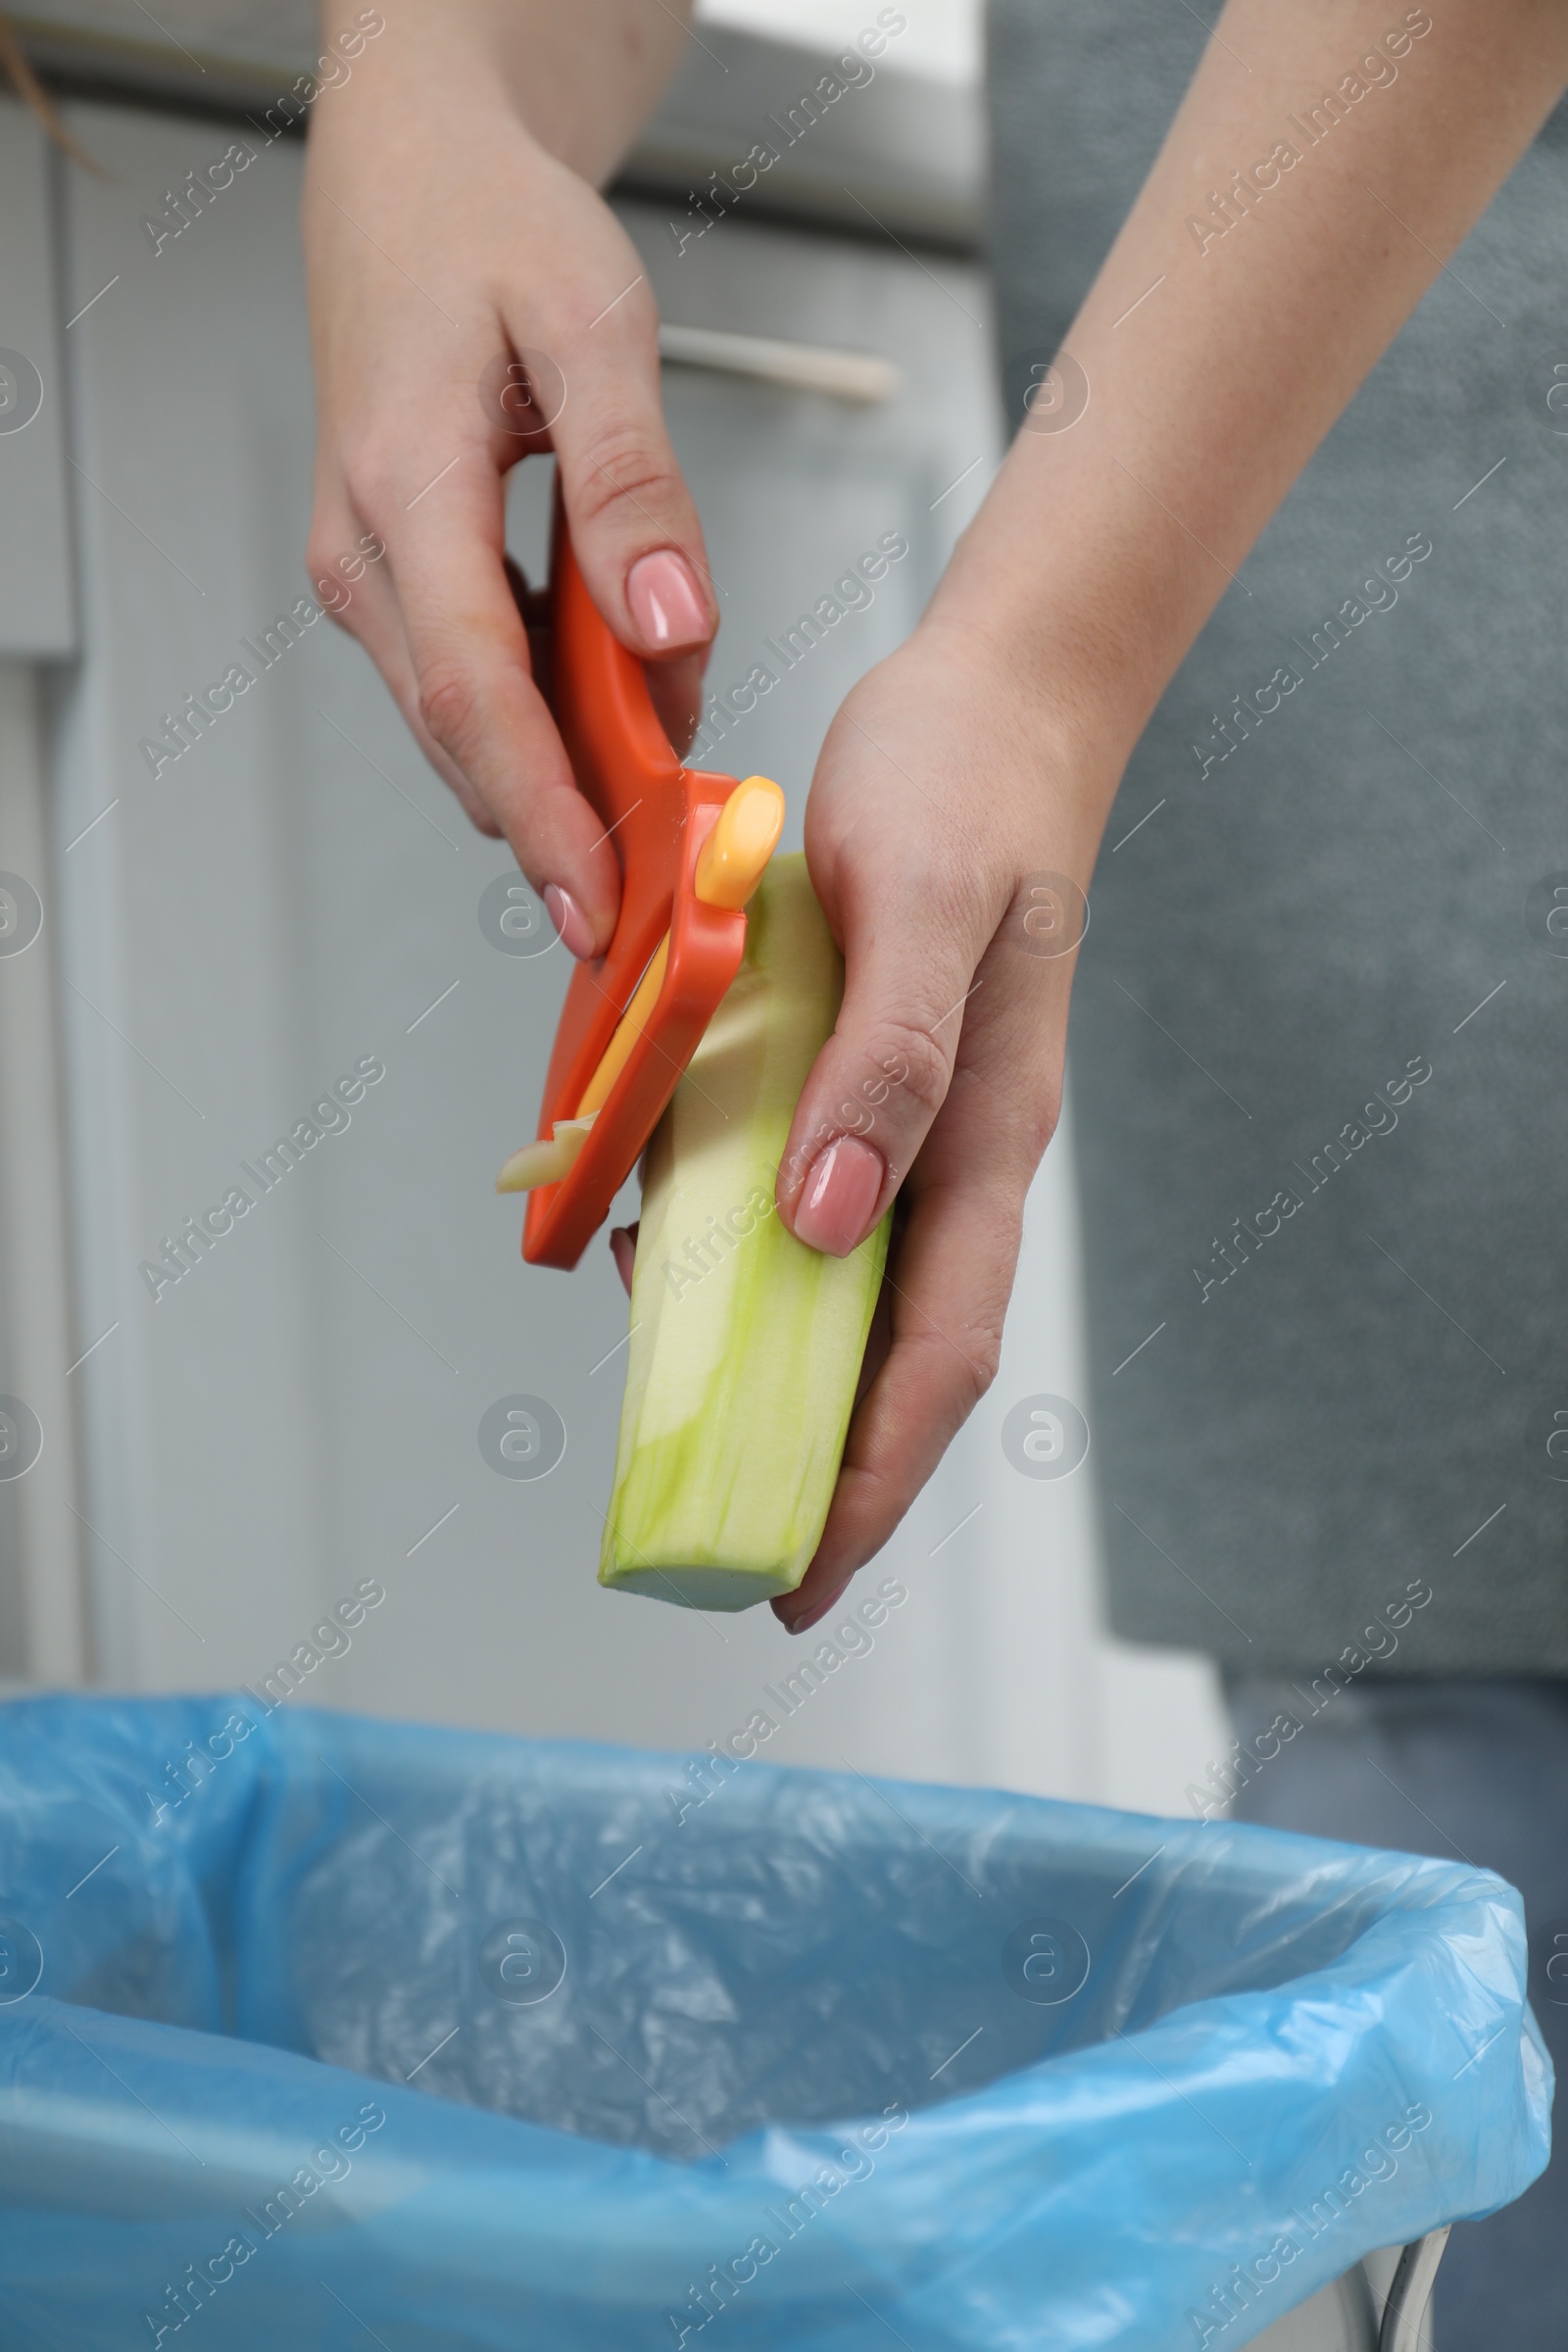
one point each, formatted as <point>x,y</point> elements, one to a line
<point>569,920</point>
<point>665,600</point>
<point>841,1192</point>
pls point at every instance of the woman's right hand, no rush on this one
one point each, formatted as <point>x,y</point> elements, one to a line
<point>444,240</point>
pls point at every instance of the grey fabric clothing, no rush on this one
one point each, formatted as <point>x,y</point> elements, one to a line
<point>1475,1771</point>
<point>1316,1063</point>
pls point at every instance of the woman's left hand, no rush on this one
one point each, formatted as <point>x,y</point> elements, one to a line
<point>951,830</point>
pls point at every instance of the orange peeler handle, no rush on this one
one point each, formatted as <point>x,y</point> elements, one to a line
<point>658,813</point>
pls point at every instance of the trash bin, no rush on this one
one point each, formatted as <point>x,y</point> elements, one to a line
<point>316,2031</point>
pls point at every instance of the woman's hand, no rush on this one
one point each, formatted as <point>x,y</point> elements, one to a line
<point>451,227</point>
<point>951,825</point>
<point>1204,369</point>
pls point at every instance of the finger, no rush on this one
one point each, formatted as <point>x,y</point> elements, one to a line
<point>476,695</point>
<point>911,950</point>
<point>634,527</point>
<point>948,1289</point>
<point>369,613</point>
<point>953,1266</point>
<point>674,687</point>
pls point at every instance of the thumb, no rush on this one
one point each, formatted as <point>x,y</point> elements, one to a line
<point>883,1076</point>
<point>634,527</point>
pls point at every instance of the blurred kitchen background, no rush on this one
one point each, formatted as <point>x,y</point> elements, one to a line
<point>189,962</point>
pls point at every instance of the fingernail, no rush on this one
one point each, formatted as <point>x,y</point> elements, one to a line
<point>841,1192</point>
<point>569,920</point>
<point>804,1619</point>
<point>665,600</point>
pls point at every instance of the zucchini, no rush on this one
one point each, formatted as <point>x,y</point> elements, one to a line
<point>746,1346</point>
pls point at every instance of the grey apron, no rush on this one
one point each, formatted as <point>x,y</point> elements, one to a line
<point>1317,1057</point>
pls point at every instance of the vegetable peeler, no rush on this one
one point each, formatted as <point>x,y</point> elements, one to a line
<point>692,846</point>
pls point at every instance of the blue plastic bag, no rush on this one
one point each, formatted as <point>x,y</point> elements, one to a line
<point>316,2029</point>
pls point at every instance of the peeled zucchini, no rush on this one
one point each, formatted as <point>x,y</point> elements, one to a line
<point>746,1346</point>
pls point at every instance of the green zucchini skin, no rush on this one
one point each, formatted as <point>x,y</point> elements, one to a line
<point>746,1347</point>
